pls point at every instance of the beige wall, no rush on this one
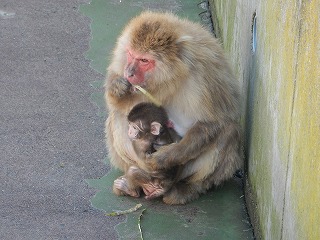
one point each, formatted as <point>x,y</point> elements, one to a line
<point>281,109</point>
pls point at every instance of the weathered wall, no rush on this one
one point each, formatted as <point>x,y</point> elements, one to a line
<point>281,109</point>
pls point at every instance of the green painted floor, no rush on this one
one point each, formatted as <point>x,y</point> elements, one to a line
<point>220,214</point>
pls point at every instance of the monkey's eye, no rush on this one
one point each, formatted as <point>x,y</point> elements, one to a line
<point>137,128</point>
<point>144,60</point>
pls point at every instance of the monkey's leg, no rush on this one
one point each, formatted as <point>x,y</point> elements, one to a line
<point>230,157</point>
<point>182,193</point>
<point>138,176</point>
<point>214,167</point>
<point>122,186</point>
<point>113,142</point>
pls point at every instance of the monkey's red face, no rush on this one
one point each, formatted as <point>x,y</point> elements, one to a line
<point>138,65</point>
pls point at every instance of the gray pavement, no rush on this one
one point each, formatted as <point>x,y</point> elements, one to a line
<point>51,138</point>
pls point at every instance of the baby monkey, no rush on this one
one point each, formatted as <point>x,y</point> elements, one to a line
<point>149,129</point>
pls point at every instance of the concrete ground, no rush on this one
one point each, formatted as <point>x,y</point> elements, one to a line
<point>52,60</point>
<point>51,138</point>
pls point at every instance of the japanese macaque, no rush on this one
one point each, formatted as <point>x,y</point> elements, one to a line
<point>149,129</point>
<point>183,66</point>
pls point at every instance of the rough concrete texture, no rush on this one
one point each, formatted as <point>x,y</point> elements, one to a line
<point>50,135</point>
<point>281,81</point>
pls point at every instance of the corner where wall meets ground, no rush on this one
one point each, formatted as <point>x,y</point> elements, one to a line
<point>275,50</point>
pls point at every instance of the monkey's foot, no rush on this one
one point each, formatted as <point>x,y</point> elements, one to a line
<point>181,193</point>
<point>152,190</point>
<point>120,187</point>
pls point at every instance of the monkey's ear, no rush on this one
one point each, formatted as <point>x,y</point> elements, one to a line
<point>184,43</point>
<point>185,38</point>
<point>155,128</point>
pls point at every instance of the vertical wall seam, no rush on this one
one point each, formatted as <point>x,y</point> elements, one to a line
<point>296,60</point>
<point>215,20</point>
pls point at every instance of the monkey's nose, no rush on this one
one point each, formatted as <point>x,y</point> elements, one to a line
<point>130,72</point>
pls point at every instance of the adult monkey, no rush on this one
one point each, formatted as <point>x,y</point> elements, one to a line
<point>180,64</point>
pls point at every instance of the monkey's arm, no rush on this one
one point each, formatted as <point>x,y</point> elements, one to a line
<point>197,139</point>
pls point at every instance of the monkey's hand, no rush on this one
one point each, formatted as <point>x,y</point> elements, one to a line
<point>119,87</point>
<point>195,141</point>
<point>166,157</point>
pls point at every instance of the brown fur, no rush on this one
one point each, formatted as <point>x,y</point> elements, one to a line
<point>145,143</point>
<point>195,84</point>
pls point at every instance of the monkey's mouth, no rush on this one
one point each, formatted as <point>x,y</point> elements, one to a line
<point>135,87</point>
